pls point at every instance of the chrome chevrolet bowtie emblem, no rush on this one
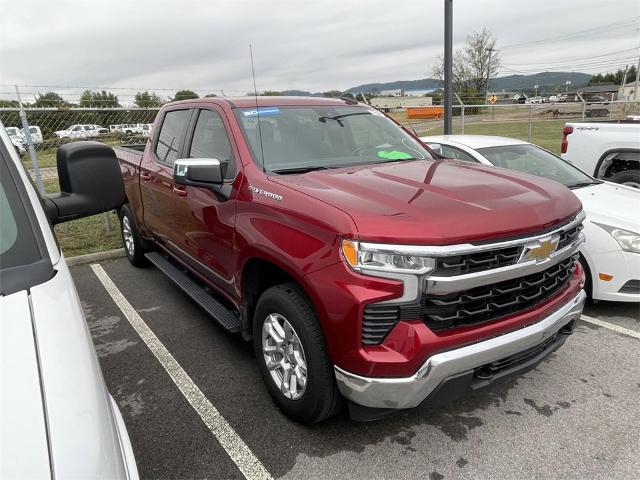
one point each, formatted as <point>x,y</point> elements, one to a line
<point>540,250</point>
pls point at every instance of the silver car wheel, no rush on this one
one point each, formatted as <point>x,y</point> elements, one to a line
<point>284,356</point>
<point>128,236</point>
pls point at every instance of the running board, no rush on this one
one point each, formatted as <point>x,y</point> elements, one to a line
<point>228,319</point>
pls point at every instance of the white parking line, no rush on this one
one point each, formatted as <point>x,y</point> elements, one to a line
<point>235,447</point>
<point>610,326</point>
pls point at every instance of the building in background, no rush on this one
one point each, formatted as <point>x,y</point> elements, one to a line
<point>419,92</point>
<point>391,93</point>
<point>626,92</point>
<point>390,103</point>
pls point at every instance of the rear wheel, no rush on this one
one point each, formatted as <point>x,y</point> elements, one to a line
<point>134,245</point>
<point>631,178</point>
<point>292,355</point>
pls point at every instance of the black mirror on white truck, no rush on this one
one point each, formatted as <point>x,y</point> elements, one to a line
<point>198,172</point>
<point>90,182</point>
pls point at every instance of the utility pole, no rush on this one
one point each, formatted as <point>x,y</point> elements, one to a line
<point>448,66</point>
<point>536,87</point>
<point>566,87</point>
<point>490,50</point>
<point>635,89</point>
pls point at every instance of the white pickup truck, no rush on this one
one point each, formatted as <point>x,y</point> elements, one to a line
<point>606,150</point>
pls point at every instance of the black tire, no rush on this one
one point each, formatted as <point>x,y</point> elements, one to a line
<point>630,178</point>
<point>321,398</point>
<point>588,281</point>
<point>138,246</point>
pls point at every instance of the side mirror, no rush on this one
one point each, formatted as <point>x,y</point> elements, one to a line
<point>90,182</point>
<point>198,172</point>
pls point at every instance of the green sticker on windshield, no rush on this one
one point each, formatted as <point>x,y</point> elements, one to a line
<point>393,154</point>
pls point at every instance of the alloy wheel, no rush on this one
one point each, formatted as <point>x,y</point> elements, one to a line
<point>284,356</point>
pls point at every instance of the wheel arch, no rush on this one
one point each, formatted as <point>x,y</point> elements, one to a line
<point>602,165</point>
<point>259,273</point>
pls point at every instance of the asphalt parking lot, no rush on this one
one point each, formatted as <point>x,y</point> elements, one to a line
<point>575,416</point>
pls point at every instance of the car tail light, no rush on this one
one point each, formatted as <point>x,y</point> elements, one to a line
<point>565,141</point>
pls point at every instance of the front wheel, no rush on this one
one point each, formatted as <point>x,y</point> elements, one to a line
<point>134,245</point>
<point>293,359</point>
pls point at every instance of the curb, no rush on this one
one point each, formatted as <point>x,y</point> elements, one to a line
<point>95,257</point>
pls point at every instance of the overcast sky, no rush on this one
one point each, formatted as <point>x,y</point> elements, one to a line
<point>308,45</point>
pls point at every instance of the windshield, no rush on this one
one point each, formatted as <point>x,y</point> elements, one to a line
<point>11,131</point>
<point>531,159</point>
<point>295,139</point>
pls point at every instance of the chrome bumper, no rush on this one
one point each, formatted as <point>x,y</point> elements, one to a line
<point>409,392</point>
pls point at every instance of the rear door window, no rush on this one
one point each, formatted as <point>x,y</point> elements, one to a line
<point>171,135</point>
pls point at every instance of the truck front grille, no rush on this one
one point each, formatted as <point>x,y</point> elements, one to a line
<point>470,307</point>
<point>569,236</point>
<point>477,261</point>
<point>491,302</point>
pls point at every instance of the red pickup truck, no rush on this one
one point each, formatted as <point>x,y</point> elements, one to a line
<point>361,266</point>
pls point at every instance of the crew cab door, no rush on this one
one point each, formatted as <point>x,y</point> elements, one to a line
<point>208,228</point>
<point>165,205</point>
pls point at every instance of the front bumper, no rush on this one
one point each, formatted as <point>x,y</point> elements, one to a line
<point>624,267</point>
<point>409,392</point>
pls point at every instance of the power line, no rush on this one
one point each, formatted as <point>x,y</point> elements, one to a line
<point>567,36</point>
<point>571,60</point>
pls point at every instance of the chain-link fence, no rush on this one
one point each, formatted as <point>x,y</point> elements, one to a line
<point>50,128</point>
<point>539,123</point>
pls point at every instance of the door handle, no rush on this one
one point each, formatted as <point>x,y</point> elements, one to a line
<point>146,177</point>
<point>179,191</point>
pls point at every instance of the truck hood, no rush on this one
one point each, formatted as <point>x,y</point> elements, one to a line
<point>611,204</point>
<point>438,202</point>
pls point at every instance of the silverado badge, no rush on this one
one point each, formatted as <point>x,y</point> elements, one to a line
<point>540,250</point>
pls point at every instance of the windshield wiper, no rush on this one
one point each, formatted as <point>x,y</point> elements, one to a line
<point>583,184</point>
<point>301,169</point>
<point>338,117</point>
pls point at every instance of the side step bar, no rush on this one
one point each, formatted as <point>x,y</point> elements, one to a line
<point>228,319</point>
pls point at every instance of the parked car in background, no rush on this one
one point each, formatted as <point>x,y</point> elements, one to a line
<point>611,254</point>
<point>82,131</point>
<point>535,100</point>
<point>16,139</point>
<point>145,128</point>
<point>605,150</point>
<point>57,419</point>
<point>35,133</point>
<point>360,266</point>
<point>128,128</point>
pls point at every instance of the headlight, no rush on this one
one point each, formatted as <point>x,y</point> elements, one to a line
<point>628,241</point>
<point>363,257</point>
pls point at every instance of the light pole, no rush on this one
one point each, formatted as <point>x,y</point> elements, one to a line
<point>448,66</point>
<point>536,87</point>
<point>566,87</point>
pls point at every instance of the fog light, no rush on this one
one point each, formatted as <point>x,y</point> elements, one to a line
<point>605,277</point>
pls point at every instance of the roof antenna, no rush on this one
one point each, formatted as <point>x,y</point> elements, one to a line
<point>255,93</point>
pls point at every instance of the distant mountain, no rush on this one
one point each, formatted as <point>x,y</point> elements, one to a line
<point>424,84</point>
<point>547,81</point>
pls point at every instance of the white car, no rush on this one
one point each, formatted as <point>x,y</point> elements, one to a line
<point>81,131</point>
<point>35,133</point>
<point>125,128</point>
<point>145,129</point>
<point>16,139</point>
<point>57,419</point>
<point>611,254</point>
<point>606,150</point>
